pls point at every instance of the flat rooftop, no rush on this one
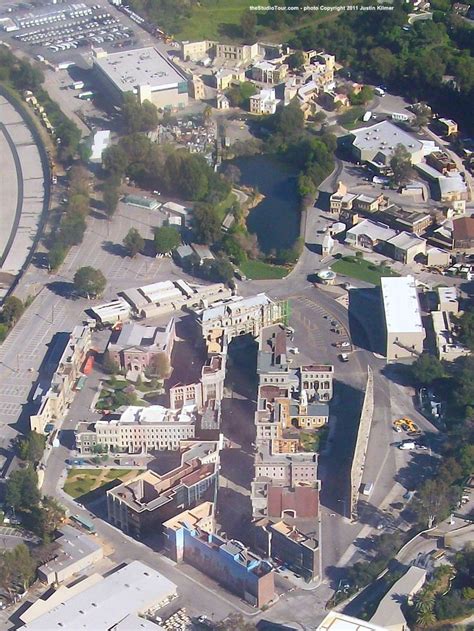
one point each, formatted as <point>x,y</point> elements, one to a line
<point>384,137</point>
<point>336,621</point>
<point>402,309</point>
<point>132,589</point>
<point>142,66</point>
<point>75,545</point>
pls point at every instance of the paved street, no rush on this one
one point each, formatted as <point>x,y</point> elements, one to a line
<point>312,311</point>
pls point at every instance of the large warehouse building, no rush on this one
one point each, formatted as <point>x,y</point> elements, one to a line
<point>403,326</point>
<point>378,142</point>
<point>146,73</point>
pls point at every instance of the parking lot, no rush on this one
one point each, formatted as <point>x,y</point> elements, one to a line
<point>69,27</point>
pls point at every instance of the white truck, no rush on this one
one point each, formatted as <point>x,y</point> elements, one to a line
<point>408,444</point>
<point>367,116</point>
<point>77,85</point>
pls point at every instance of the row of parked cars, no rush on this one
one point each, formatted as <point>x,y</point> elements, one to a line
<point>79,29</point>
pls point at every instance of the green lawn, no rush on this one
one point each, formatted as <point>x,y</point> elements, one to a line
<point>361,269</point>
<point>218,20</point>
<point>258,270</point>
<point>82,481</point>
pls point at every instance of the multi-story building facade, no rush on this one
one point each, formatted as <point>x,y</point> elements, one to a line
<point>245,53</point>
<point>138,429</point>
<point>135,346</point>
<point>144,503</point>
<point>269,72</point>
<point>295,549</point>
<point>240,316</point>
<point>317,381</point>
<point>56,395</point>
<point>265,102</point>
<point>228,562</point>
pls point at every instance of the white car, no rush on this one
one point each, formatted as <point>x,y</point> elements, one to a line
<point>407,445</point>
<point>294,350</point>
<point>344,357</point>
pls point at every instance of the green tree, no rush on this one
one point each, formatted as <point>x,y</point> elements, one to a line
<point>206,224</point>
<point>239,95</point>
<point>22,490</point>
<point>306,187</point>
<point>89,282</point>
<point>71,229</point>
<point>23,567</point>
<point>383,62</point>
<point>248,25</point>
<point>136,116</point>
<point>110,197</point>
<point>426,369</point>
<point>296,60</point>
<point>166,239</point>
<point>433,501</point>
<point>133,242</point>
<point>109,365</point>
<point>361,98</point>
<point>115,160</point>
<point>56,256</point>
<point>159,366</point>
<point>462,370</point>
<point>12,310</point>
<point>400,163</point>
<point>31,447</point>
<point>466,328</point>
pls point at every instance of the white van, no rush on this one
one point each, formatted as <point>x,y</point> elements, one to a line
<point>367,488</point>
<point>409,444</point>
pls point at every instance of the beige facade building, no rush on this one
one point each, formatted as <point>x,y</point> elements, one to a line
<point>146,73</point>
<point>269,72</point>
<point>56,396</point>
<point>138,430</point>
<point>238,52</point>
<point>239,316</point>
<point>263,103</point>
<point>227,77</point>
<point>194,51</point>
<point>197,90</point>
<point>76,552</point>
<point>404,329</point>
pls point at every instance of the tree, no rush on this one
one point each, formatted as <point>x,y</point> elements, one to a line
<point>248,25</point>
<point>400,163</point>
<point>12,310</point>
<point>133,242</point>
<point>240,94</point>
<point>166,239</point>
<point>306,187</point>
<point>433,501</point>
<point>109,365</point>
<point>296,60</point>
<point>159,366</point>
<point>136,116</point>
<point>462,370</point>
<point>466,328</point>
<point>362,97</point>
<point>56,256</point>
<point>232,173</point>
<point>89,282</point>
<point>423,115</point>
<point>31,447</point>
<point>289,121</point>
<point>23,566</point>
<point>115,160</point>
<point>383,62</point>
<point>22,490</point>
<point>71,229</point>
<point>206,224</point>
<point>427,369</point>
<point>110,196</point>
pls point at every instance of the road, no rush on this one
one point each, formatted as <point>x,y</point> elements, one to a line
<point>312,309</point>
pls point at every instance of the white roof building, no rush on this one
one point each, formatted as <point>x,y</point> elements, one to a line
<point>397,293</point>
<point>336,621</point>
<point>378,142</point>
<point>100,142</point>
<point>132,590</point>
<point>404,327</point>
<point>117,310</point>
<point>389,612</point>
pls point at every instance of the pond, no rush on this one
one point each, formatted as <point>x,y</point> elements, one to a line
<point>276,219</point>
